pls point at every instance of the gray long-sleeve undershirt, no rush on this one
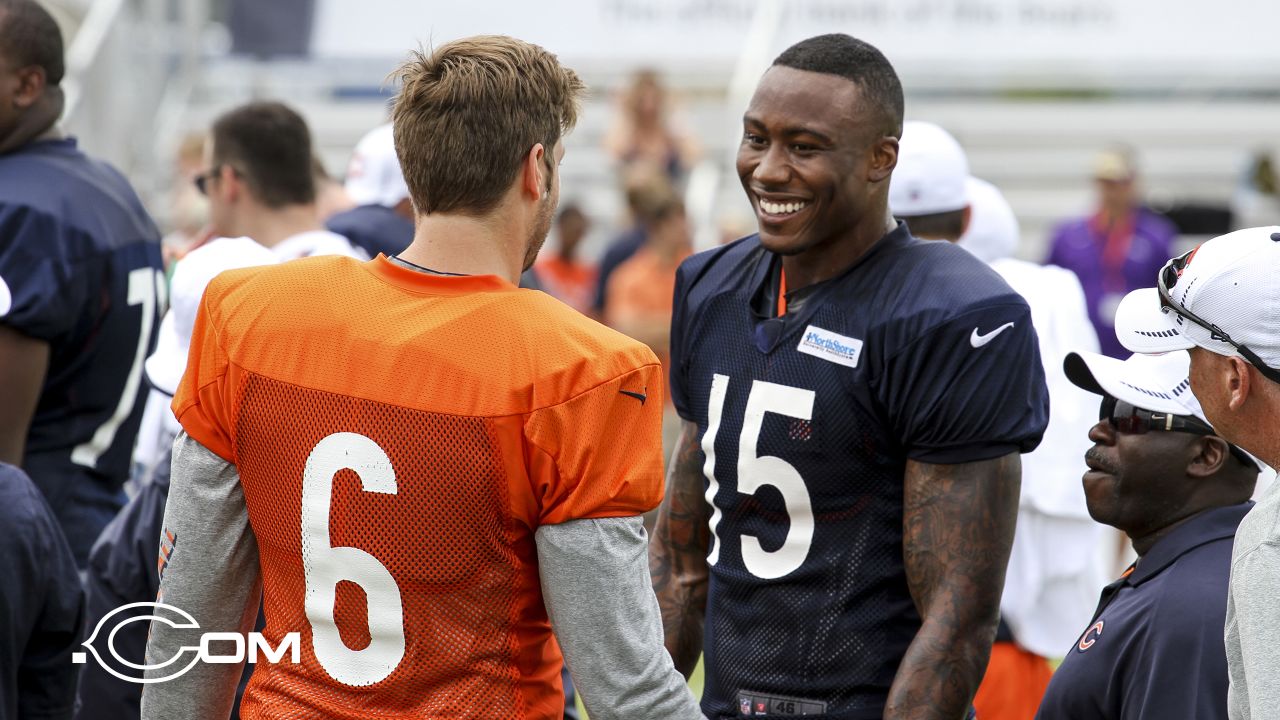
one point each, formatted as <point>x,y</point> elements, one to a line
<point>595,582</point>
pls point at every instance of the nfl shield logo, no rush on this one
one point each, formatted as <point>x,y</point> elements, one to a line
<point>744,703</point>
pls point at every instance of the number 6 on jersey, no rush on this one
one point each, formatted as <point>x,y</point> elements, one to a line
<point>325,566</point>
<point>756,471</point>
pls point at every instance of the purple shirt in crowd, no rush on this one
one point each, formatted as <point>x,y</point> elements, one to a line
<point>1110,268</point>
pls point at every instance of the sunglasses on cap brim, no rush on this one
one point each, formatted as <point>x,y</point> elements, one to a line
<point>1168,278</point>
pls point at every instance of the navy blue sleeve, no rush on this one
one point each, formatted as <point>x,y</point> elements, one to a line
<point>41,603</point>
<point>677,385</point>
<point>970,389</point>
<point>44,300</point>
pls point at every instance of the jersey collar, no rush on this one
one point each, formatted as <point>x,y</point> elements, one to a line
<point>1213,524</point>
<point>429,284</point>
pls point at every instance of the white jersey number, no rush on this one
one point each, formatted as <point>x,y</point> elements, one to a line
<point>325,566</point>
<point>146,288</point>
<point>755,472</point>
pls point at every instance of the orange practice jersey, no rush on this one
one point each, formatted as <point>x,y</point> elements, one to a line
<point>399,437</point>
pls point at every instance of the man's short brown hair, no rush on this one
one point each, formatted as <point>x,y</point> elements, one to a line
<point>468,114</point>
<point>269,145</point>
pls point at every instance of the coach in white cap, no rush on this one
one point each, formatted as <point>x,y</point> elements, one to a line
<point>1221,302</point>
<point>1159,472</point>
<point>382,221</point>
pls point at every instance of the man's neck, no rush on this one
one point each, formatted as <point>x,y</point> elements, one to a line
<point>38,122</point>
<point>272,227</point>
<point>466,245</point>
<point>831,259</point>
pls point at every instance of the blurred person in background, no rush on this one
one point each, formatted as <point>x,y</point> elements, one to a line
<point>1219,302</point>
<point>81,292</point>
<point>1053,576</point>
<point>640,290</point>
<point>643,135</point>
<point>382,219</point>
<point>1159,472</point>
<point>562,274</point>
<point>122,564</point>
<point>41,606</point>
<point>1256,200</point>
<point>644,192</point>
<point>260,181</point>
<point>1117,248</point>
<point>188,209</point>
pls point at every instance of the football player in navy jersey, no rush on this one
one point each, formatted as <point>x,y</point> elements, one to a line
<point>81,289</point>
<point>842,502</point>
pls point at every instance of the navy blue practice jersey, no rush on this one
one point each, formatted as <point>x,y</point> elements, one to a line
<point>80,264</point>
<point>807,420</point>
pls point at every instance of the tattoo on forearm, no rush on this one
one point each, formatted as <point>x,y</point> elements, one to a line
<point>678,553</point>
<point>958,523</point>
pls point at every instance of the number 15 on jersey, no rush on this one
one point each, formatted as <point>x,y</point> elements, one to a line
<point>756,471</point>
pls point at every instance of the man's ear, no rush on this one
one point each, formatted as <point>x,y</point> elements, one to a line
<point>230,183</point>
<point>533,180</point>
<point>884,158</point>
<point>1238,381</point>
<point>31,83</point>
<point>966,218</point>
<point>1213,453</point>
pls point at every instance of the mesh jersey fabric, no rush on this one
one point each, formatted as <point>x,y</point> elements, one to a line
<point>399,437</point>
<point>807,441</point>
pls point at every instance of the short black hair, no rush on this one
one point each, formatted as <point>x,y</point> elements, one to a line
<point>269,145</point>
<point>949,224</point>
<point>853,59</point>
<point>30,36</point>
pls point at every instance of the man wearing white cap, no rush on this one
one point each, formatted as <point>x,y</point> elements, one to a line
<point>1159,472</point>
<point>1053,577</point>
<point>382,221</point>
<point>122,563</point>
<point>1221,302</point>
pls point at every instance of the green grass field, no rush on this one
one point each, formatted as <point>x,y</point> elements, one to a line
<point>695,684</point>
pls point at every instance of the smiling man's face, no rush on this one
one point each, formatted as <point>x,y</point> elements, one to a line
<point>808,159</point>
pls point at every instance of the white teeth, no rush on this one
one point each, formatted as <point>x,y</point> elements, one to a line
<point>782,208</point>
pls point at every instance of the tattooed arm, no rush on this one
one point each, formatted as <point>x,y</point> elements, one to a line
<point>958,523</point>
<point>678,553</point>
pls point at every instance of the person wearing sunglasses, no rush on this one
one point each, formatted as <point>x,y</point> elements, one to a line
<point>1159,472</point>
<point>1221,303</point>
<point>260,182</point>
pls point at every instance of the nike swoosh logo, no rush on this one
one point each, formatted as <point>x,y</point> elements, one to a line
<point>639,396</point>
<point>978,341</point>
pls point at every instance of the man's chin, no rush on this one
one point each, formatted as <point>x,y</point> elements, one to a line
<point>783,244</point>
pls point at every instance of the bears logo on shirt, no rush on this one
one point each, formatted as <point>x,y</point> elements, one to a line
<point>1090,636</point>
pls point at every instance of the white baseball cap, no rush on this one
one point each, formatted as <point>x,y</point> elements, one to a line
<point>993,228</point>
<point>932,172</point>
<point>373,175</point>
<point>1231,282</point>
<point>1159,383</point>
<point>1153,382</point>
<point>193,273</point>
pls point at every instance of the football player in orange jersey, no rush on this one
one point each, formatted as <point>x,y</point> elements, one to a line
<point>424,469</point>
